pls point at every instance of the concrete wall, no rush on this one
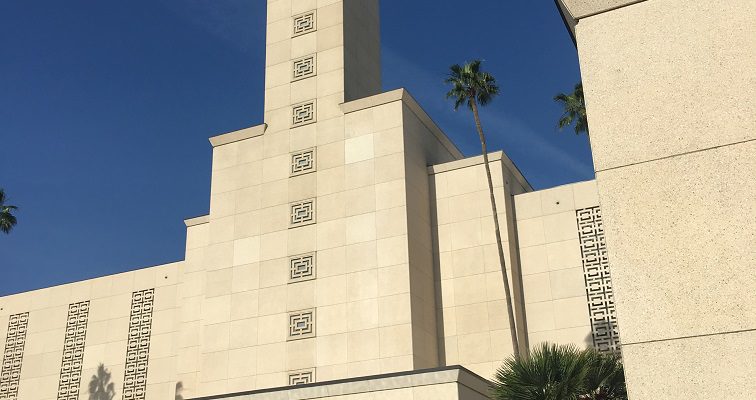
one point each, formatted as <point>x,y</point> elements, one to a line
<point>552,264</point>
<point>473,319</point>
<point>472,308</point>
<point>672,109</point>
<point>71,329</point>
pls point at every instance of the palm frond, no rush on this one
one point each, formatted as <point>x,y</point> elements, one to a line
<point>560,372</point>
<point>470,84</point>
<point>573,105</point>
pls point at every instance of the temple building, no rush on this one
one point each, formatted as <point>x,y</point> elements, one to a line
<point>349,252</point>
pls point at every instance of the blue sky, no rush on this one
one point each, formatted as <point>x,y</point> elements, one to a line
<point>106,107</point>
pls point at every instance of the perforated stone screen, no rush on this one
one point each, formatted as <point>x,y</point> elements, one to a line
<point>598,282</point>
<point>73,351</point>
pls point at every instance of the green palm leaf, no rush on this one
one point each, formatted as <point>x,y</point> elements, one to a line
<point>7,219</point>
<point>561,372</point>
<point>573,105</point>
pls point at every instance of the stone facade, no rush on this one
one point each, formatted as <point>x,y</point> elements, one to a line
<point>675,179</point>
<point>347,238</point>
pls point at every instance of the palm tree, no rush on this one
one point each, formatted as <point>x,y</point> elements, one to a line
<point>7,219</point>
<point>100,387</point>
<point>474,88</point>
<point>574,110</point>
<point>555,372</point>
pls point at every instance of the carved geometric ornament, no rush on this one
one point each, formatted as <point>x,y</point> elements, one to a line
<point>598,282</point>
<point>302,268</point>
<point>13,355</point>
<point>303,162</point>
<point>302,213</point>
<point>73,351</point>
<point>302,377</point>
<point>138,347</point>
<point>303,114</point>
<point>301,324</point>
<point>305,23</point>
<point>304,67</point>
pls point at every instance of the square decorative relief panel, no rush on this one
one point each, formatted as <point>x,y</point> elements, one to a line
<point>305,67</point>
<point>303,114</point>
<point>301,324</point>
<point>302,213</point>
<point>302,268</point>
<point>303,162</point>
<point>305,23</point>
<point>302,377</point>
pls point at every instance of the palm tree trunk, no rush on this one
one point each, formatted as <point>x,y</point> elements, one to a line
<point>500,247</point>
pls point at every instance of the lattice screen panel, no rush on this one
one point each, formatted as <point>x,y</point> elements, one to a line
<point>303,213</point>
<point>301,377</point>
<point>301,324</point>
<point>305,23</point>
<point>303,114</point>
<point>598,282</point>
<point>138,350</point>
<point>13,356</point>
<point>305,67</point>
<point>73,351</point>
<point>303,162</point>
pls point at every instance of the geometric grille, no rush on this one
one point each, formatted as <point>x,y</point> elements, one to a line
<point>302,268</point>
<point>598,282</point>
<point>303,162</point>
<point>73,351</point>
<point>10,373</point>
<point>304,23</point>
<point>304,68</point>
<point>303,213</point>
<point>138,349</point>
<point>301,377</point>
<point>302,114</point>
<point>301,324</point>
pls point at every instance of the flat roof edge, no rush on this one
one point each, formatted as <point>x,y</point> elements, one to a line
<point>404,96</point>
<point>239,135</point>
<point>370,383</point>
<point>478,160</point>
<point>199,220</point>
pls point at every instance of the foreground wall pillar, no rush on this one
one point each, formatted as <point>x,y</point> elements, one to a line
<point>671,98</point>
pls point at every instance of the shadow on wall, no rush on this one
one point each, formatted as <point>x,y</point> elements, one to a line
<point>100,386</point>
<point>179,390</point>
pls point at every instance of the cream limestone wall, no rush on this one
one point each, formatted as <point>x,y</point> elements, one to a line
<point>552,266</point>
<point>472,310</point>
<point>51,331</point>
<point>675,181</point>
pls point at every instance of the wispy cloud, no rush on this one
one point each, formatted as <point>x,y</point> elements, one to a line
<point>520,141</point>
<point>228,20</point>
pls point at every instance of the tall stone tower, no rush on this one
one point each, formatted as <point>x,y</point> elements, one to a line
<point>316,260</point>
